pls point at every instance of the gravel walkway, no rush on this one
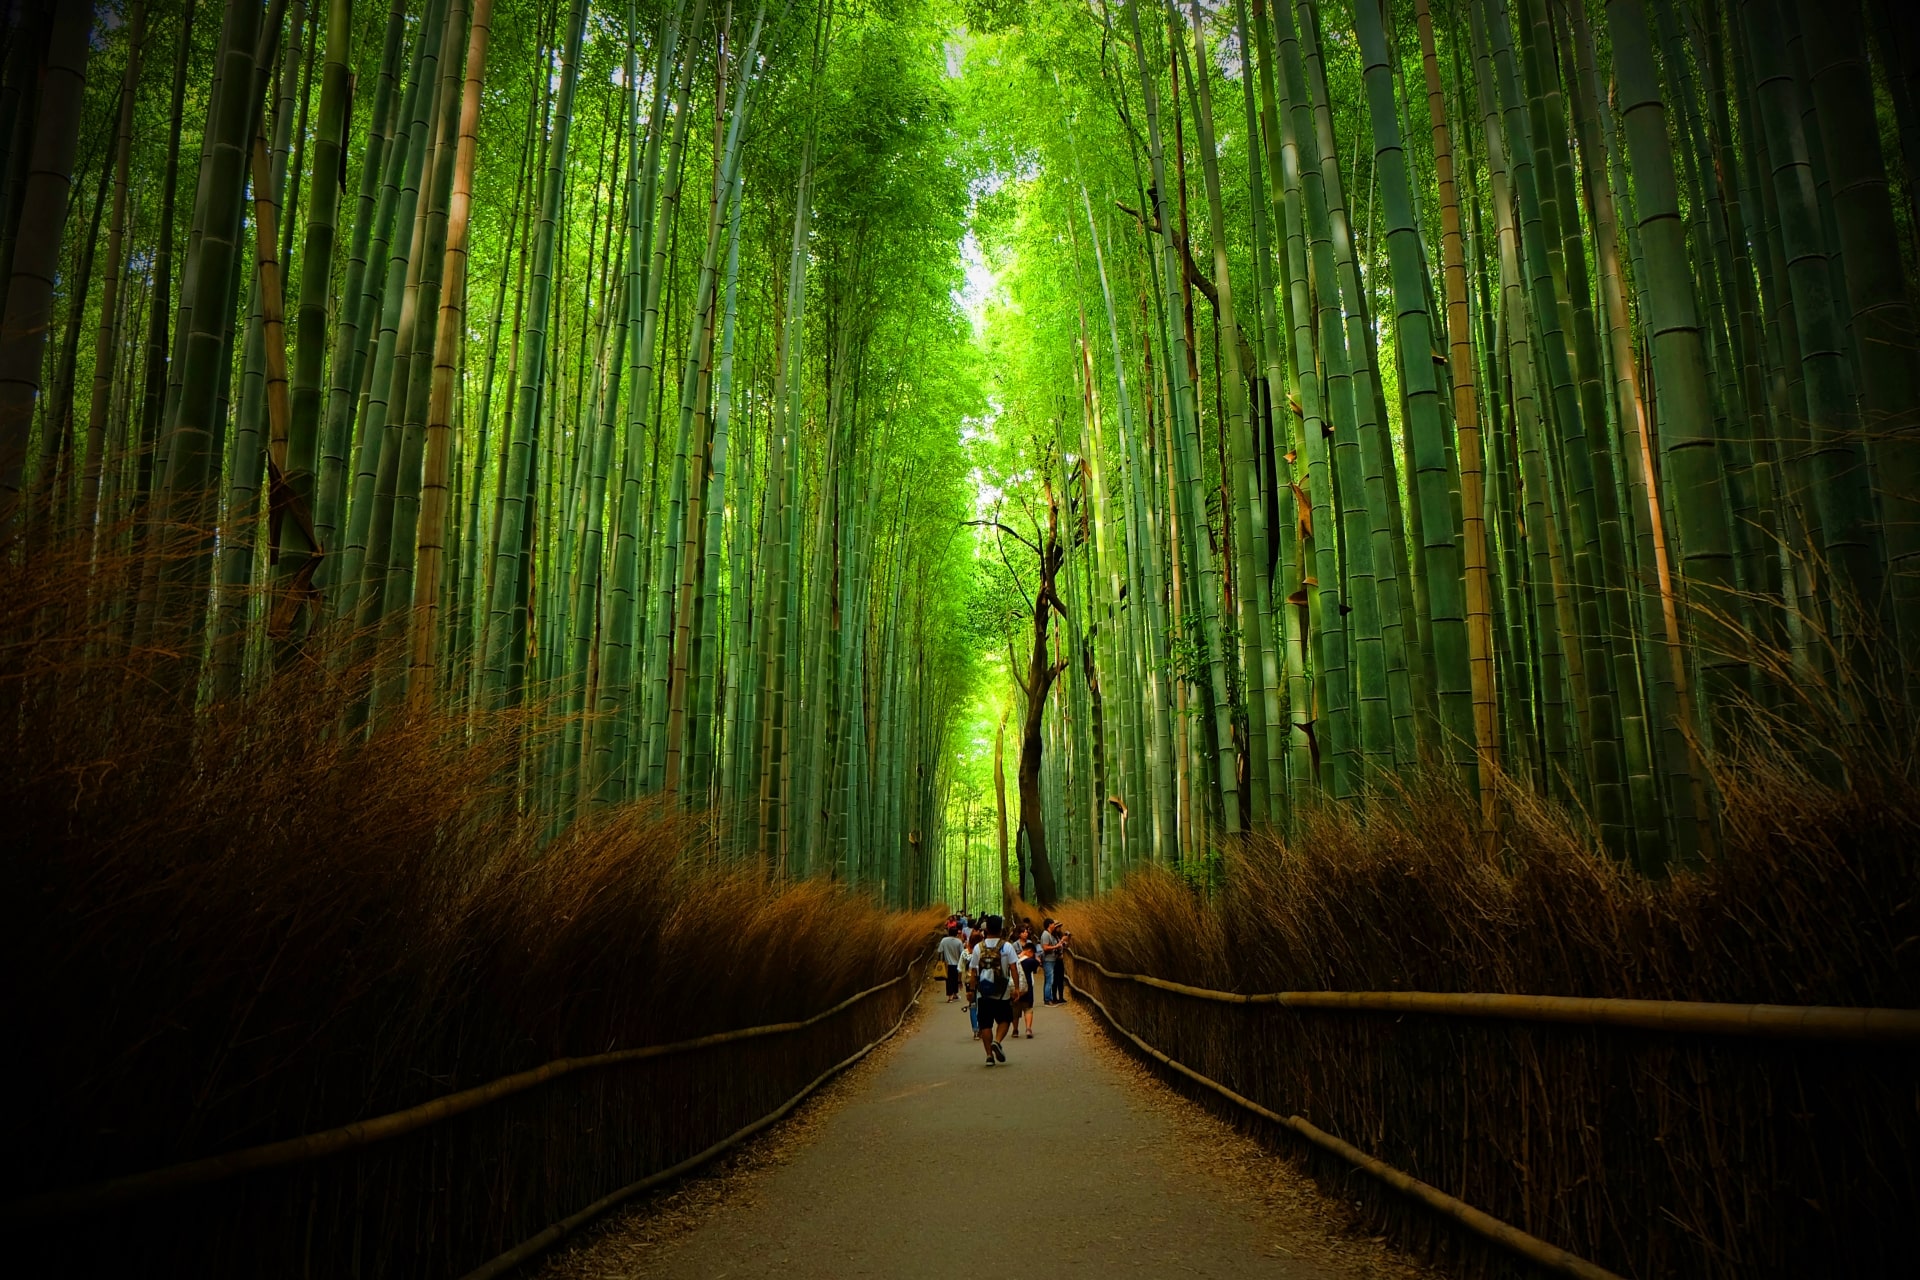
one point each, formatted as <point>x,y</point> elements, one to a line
<point>934,1161</point>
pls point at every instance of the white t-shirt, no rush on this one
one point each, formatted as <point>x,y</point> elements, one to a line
<point>1009,958</point>
<point>952,950</point>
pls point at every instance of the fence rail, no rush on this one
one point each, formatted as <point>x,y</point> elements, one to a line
<point>1560,1123</point>
<point>361,1133</point>
<point>1505,1234</point>
<point>1775,1021</point>
<point>559,1231</point>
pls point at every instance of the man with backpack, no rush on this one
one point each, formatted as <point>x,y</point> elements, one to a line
<point>994,969</point>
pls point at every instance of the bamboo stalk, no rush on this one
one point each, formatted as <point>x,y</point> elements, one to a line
<point>434,489</point>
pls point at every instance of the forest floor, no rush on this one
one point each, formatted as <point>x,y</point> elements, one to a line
<point>922,1160</point>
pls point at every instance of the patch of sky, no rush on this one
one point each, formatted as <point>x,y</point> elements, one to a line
<point>1228,57</point>
<point>978,283</point>
<point>980,427</point>
<point>987,498</point>
<point>619,77</point>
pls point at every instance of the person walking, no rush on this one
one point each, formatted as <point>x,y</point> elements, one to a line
<point>1023,1002</point>
<point>1050,958</point>
<point>952,952</point>
<point>997,979</point>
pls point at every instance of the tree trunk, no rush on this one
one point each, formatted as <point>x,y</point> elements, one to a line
<point>1042,670</point>
<point>1000,801</point>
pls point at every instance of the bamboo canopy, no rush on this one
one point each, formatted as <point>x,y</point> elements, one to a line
<point>1255,406</point>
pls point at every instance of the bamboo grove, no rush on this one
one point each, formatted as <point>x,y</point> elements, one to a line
<point>1514,393</point>
<point>586,365</point>
<point>1518,392</point>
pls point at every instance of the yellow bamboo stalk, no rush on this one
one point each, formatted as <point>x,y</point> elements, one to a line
<point>435,482</point>
<point>273,310</point>
<point>363,1133</point>
<point>281,499</point>
<point>1769,1021</point>
<point>1466,419</point>
<point>1481,1223</point>
<point>1633,405</point>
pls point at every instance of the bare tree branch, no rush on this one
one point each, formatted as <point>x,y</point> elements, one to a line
<point>995,524</point>
<point>1194,273</point>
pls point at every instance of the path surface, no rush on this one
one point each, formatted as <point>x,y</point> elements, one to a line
<point>932,1164</point>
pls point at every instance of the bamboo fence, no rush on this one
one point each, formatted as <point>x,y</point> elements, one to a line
<point>471,1183</point>
<point>1785,1021</point>
<point>1587,1137</point>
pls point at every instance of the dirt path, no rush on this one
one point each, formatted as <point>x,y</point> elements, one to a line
<point>933,1161</point>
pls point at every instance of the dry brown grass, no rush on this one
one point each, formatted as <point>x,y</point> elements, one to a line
<point>1651,1154</point>
<point>232,923</point>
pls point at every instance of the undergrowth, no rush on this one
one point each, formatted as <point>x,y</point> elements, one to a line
<point>1650,1154</point>
<point>230,921</point>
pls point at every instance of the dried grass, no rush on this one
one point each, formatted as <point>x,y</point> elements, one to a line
<point>232,923</point>
<point>1650,1154</point>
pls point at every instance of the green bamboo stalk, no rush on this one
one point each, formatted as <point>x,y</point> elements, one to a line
<point>423,358</point>
<point>351,323</point>
<point>1886,337</point>
<point>1206,573</point>
<point>647,270</point>
<point>1145,588</point>
<point>782,469</point>
<point>1466,421</point>
<point>1362,459</point>
<point>1434,478</point>
<point>505,644</point>
<point>435,503</point>
<point>192,425</point>
<point>154,389</point>
<point>1248,525</point>
<point>1687,426</point>
<point>707,696</point>
<point>1550,681</point>
<point>1280,321</point>
<point>35,248</point>
<point>392,283</point>
<point>1327,705</point>
<point>107,336</point>
<point>1617,661</point>
<point>298,558</point>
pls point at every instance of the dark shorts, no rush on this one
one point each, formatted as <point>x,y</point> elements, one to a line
<point>1024,1000</point>
<point>994,1011</point>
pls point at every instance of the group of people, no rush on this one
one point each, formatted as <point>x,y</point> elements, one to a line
<point>996,972</point>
